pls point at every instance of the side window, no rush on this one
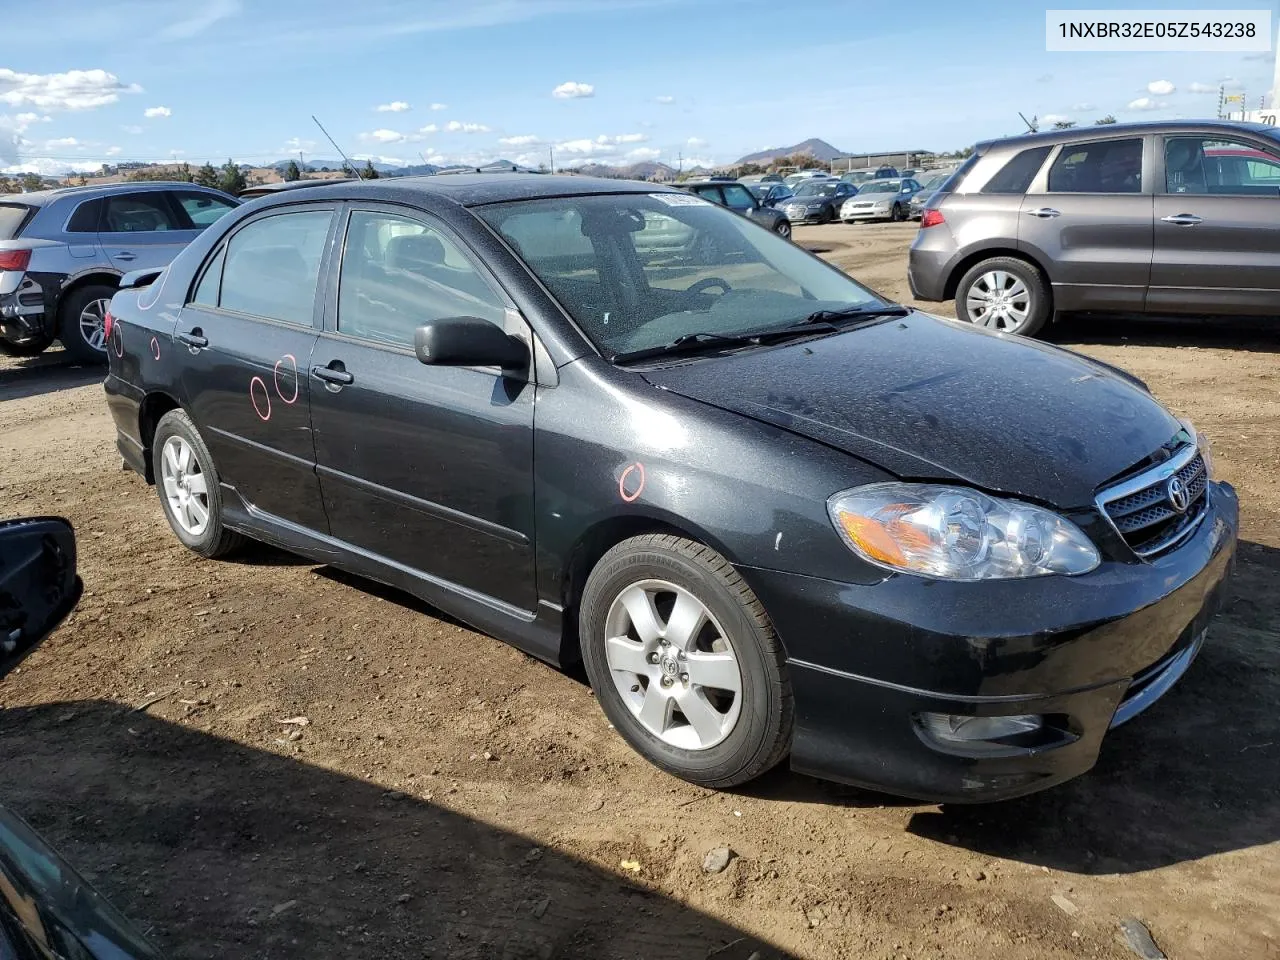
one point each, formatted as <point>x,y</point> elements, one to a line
<point>87,217</point>
<point>1226,167</point>
<point>1106,166</point>
<point>139,213</point>
<point>398,273</point>
<point>273,265</point>
<point>710,193</point>
<point>1016,175</point>
<point>202,209</point>
<point>210,281</point>
<point>737,197</point>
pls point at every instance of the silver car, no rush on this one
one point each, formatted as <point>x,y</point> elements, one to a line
<point>62,253</point>
<point>880,200</point>
<point>927,190</point>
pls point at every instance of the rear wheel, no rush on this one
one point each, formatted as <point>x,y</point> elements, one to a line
<point>187,483</point>
<point>783,229</point>
<point>29,347</point>
<point>685,662</point>
<point>1004,294</point>
<point>82,327</point>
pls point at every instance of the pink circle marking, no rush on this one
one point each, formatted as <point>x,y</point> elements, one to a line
<point>155,348</point>
<point>254,399</point>
<point>117,339</point>
<point>275,376</point>
<point>637,468</point>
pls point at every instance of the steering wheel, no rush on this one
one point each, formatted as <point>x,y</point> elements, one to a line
<point>706,283</point>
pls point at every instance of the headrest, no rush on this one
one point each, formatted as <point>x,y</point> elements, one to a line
<point>408,253</point>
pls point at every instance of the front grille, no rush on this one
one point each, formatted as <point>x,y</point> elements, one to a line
<point>1143,509</point>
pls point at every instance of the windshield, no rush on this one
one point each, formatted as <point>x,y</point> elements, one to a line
<point>880,186</point>
<point>933,183</point>
<point>640,270</point>
<point>817,188</point>
<point>11,217</point>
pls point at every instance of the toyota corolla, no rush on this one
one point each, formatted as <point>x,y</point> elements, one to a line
<point>774,515</point>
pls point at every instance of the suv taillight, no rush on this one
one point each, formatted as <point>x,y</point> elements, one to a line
<point>14,259</point>
<point>931,218</point>
<point>108,321</point>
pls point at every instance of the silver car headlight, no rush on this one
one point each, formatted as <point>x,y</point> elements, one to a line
<point>955,533</point>
<point>882,204</point>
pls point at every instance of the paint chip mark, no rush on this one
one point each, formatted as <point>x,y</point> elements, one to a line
<point>777,541</point>
<point>275,376</point>
<point>264,416</point>
<point>633,477</point>
<point>155,348</point>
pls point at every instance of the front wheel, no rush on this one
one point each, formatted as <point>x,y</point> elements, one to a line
<point>187,482</point>
<point>783,229</point>
<point>29,347</point>
<point>1004,294</point>
<point>685,662</point>
<point>896,216</point>
<point>82,327</point>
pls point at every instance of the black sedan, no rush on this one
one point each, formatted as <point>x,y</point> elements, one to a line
<point>770,194</point>
<point>773,514</point>
<point>729,193</point>
<point>817,201</point>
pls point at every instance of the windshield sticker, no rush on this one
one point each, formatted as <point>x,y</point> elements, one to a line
<point>679,199</point>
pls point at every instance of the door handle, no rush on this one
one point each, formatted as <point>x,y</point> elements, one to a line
<point>1045,213</point>
<point>1182,219</point>
<point>126,255</point>
<point>333,376</point>
<point>195,340</point>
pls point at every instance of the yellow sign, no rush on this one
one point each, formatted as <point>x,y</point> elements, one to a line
<point>1234,98</point>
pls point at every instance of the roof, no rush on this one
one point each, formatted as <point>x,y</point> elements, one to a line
<point>1109,130</point>
<point>38,198</point>
<point>265,188</point>
<point>476,189</point>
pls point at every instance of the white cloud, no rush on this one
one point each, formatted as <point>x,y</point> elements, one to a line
<point>45,166</point>
<point>429,128</point>
<point>73,90</point>
<point>1161,88</point>
<point>383,135</point>
<point>524,140</point>
<point>60,143</point>
<point>696,142</point>
<point>1146,103</point>
<point>210,13</point>
<point>665,101</point>
<point>1044,78</point>
<point>572,90</point>
<point>113,151</point>
<point>296,144</point>
<point>439,106</point>
<point>453,126</point>
<point>623,138</point>
<point>1231,83</point>
<point>25,118</point>
<point>1083,106</point>
<point>131,128</point>
<point>643,153</point>
<point>1049,119</point>
<point>584,147</point>
<point>152,112</point>
<point>395,106</point>
<point>1198,87</point>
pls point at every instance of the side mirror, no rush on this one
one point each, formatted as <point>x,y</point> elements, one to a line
<point>468,342</point>
<point>38,582</point>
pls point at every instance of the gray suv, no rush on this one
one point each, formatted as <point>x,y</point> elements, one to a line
<point>1160,218</point>
<point>62,253</point>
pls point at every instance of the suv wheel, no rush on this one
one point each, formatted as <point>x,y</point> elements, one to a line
<point>1004,294</point>
<point>187,482</point>
<point>685,662</point>
<point>30,347</point>
<point>82,326</point>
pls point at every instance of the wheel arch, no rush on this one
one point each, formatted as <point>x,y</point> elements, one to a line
<point>967,262</point>
<point>154,406</point>
<point>97,275</point>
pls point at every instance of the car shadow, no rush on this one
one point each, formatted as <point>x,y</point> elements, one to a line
<point>48,373</point>
<point>1197,774</point>
<point>1254,334</point>
<point>217,849</point>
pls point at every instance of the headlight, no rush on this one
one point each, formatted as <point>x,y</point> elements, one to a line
<point>955,533</point>
<point>882,203</point>
<point>1203,445</point>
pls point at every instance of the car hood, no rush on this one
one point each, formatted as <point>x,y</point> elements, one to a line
<point>926,398</point>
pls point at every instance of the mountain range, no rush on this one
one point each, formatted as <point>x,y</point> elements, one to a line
<point>818,149</point>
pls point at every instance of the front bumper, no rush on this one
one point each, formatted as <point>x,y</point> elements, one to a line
<point>818,216</point>
<point>871,213</point>
<point>1083,653</point>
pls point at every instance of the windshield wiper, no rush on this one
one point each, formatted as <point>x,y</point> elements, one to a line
<point>693,342</point>
<point>855,313</point>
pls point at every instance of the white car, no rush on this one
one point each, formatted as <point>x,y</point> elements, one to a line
<point>880,200</point>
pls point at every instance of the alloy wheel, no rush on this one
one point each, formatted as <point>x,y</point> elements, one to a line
<point>673,665</point>
<point>185,486</point>
<point>999,300</point>
<point>93,324</point>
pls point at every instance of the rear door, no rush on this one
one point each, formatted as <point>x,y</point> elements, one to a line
<point>427,467</point>
<point>1088,219</point>
<point>245,340</point>
<point>143,230</point>
<point>1217,227</point>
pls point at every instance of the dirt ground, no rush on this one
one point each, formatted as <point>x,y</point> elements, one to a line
<point>450,797</point>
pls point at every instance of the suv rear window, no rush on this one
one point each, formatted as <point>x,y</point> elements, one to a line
<point>87,218</point>
<point>949,185</point>
<point>1016,175</point>
<point>12,217</point>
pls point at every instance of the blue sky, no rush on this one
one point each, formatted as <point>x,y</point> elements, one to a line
<point>607,80</point>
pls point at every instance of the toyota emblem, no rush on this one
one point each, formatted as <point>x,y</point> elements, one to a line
<point>1179,495</point>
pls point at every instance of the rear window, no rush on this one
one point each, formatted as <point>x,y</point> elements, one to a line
<point>12,217</point>
<point>87,218</point>
<point>1016,175</point>
<point>949,185</point>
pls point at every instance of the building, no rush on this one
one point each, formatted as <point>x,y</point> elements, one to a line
<point>902,159</point>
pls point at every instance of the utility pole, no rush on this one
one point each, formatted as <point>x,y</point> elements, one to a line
<point>680,162</point>
<point>551,153</point>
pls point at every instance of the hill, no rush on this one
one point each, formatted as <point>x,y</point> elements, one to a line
<point>814,147</point>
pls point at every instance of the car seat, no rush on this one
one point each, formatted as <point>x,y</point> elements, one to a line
<point>1184,165</point>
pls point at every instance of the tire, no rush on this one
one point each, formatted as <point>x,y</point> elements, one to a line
<point>896,215</point>
<point>81,304</point>
<point>31,347</point>
<point>1028,305</point>
<point>754,724</point>
<point>783,229</point>
<point>211,539</point>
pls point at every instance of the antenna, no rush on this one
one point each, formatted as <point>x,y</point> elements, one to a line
<point>345,158</point>
<point>1031,127</point>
